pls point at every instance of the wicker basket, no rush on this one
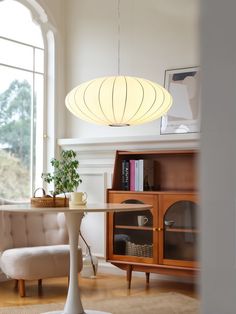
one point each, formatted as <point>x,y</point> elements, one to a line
<point>48,201</point>
<point>141,250</point>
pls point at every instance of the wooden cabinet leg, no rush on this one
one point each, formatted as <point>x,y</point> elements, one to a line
<point>22,287</point>
<point>129,275</point>
<point>40,283</point>
<point>147,278</point>
<point>40,286</point>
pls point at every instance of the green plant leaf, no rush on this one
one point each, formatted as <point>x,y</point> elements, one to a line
<point>65,176</point>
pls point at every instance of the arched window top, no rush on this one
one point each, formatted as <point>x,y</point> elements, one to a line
<point>20,25</point>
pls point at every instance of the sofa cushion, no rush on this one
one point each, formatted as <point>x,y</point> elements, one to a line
<point>38,262</point>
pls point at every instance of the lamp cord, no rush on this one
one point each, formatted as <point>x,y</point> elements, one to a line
<point>118,33</point>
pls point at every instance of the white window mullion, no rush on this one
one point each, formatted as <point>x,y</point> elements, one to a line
<point>22,60</point>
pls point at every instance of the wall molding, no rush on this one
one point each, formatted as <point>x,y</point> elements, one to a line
<point>105,145</point>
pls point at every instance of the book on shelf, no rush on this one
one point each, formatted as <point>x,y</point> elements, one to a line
<point>140,174</point>
<point>137,175</point>
<point>125,175</point>
<point>143,177</point>
<point>132,175</point>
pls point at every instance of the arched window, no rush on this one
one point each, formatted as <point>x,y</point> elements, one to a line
<point>22,101</point>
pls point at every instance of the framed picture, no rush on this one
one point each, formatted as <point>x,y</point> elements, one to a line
<point>184,114</point>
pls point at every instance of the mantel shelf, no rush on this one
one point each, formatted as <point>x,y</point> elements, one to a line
<point>107,145</point>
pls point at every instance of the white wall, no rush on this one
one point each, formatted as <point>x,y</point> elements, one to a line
<point>155,35</point>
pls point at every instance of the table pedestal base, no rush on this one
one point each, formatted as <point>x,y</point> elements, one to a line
<point>85,312</point>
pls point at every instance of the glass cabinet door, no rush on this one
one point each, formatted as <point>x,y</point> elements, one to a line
<point>180,232</point>
<point>133,232</point>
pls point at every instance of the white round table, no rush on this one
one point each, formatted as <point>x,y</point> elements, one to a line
<point>74,215</point>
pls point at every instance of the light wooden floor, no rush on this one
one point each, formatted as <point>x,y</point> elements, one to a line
<point>104,286</point>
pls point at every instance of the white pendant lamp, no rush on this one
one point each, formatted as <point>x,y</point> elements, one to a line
<point>119,101</point>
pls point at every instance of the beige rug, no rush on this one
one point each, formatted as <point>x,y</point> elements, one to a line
<point>165,303</point>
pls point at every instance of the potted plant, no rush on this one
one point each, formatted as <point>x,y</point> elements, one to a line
<point>65,177</point>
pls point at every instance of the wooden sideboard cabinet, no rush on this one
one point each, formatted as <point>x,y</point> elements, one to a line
<point>165,239</point>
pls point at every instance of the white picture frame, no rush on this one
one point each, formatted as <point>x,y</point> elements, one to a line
<point>184,115</point>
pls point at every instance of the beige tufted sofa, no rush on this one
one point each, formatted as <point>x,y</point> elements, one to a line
<point>34,246</point>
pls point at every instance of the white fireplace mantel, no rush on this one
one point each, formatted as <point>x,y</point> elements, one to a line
<point>173,141</point>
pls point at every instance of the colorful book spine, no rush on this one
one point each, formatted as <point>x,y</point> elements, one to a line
<point>132,175</point>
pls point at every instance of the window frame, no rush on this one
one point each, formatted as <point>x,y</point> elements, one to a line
<point>49,86</point>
